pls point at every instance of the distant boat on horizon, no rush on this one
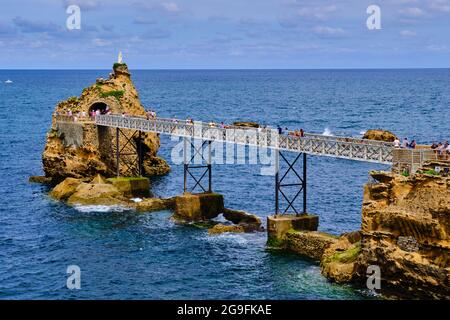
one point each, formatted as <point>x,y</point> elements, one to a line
<point>8,81</point>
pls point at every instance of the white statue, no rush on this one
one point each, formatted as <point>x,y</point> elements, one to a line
<point>119,59</point>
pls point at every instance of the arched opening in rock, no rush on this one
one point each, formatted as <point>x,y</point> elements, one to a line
<point>99,106</point>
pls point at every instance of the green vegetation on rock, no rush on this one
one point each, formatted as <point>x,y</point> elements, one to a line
<point>346,256</point>
<point>431,172</point>
<point>118,65</point>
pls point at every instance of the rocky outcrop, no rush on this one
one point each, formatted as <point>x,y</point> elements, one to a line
<point>77,148</point>
<point>405,231</point>
<point>339,260</point>
<point>247,124</point>
<point>222,228</point>
<point>380,135</point>
<point>65,189</point>
<point>247,221</point>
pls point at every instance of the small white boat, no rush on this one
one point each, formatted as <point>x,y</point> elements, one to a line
<point>8,81</point>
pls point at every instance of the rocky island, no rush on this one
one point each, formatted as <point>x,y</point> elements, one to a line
<point>405,232</point>
<point>80,161</point>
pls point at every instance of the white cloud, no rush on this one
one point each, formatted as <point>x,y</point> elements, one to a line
<point>100,42</point>
<point>170,7</point>
<point>328,31</point>
<point>407,33</point>
<point>440,5</point>
<point>412,12</point>
<point>320,13</point>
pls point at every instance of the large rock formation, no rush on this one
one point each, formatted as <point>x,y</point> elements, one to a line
<point>380,135</point>
<point>80,149</point>
<point>405,231</point>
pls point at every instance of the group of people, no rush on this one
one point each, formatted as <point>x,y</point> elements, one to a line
<point>442,149</point>
<point>405,144</point>
<point>150,114</point>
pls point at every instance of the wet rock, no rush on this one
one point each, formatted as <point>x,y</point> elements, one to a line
<point>249,222</point>
<point>40,179</point>
<point>222,228</point>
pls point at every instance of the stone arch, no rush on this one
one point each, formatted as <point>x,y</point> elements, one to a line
<point>95,102</point>
<point>101,106</point>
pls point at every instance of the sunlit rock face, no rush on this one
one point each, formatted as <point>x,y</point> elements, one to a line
<point>405,231</point>
<point>81,149</point>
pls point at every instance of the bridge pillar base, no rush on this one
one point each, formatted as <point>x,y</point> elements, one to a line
<point>198,207</point>
<point>279,225</point>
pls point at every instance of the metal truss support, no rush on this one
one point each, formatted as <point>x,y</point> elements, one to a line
<point>189,168</point>
<point>131,150</point>
<point>299,184</point>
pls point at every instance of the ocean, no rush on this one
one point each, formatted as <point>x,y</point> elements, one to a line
<point>127,255</point>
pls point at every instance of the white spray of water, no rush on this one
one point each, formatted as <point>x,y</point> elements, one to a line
<point>99,208</point>
<point>327,132</point>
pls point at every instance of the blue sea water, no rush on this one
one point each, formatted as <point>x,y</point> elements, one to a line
<point>125,255</point>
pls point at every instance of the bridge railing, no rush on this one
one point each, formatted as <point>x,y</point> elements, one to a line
<point>348,148</point>
<point>72,118</point>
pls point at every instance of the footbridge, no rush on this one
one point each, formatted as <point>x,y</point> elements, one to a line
<point>308,144</point>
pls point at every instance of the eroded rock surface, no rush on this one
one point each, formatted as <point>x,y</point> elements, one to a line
<point>405,231</point>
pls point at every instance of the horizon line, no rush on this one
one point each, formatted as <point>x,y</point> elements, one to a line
<point>225,69</point>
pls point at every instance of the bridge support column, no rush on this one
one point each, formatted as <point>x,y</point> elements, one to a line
<point>297,182</point>
<point>189,168</point>
<point>129,154</point>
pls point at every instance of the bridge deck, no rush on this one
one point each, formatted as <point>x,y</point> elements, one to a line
<point>321,145</point>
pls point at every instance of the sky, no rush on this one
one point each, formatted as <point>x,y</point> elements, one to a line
<point>225,34</point>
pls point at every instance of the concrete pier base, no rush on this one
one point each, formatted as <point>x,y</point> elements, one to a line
<point>278,226</point>
<point>198,207</point>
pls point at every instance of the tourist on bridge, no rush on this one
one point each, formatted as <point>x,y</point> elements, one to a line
<point>412,145</point>
<point>405,143</point>
<point>397,143</point>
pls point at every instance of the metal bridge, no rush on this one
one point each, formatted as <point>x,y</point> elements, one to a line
<point>312,144</point>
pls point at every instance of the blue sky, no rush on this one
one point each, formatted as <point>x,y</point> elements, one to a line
<point>216,34</point>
